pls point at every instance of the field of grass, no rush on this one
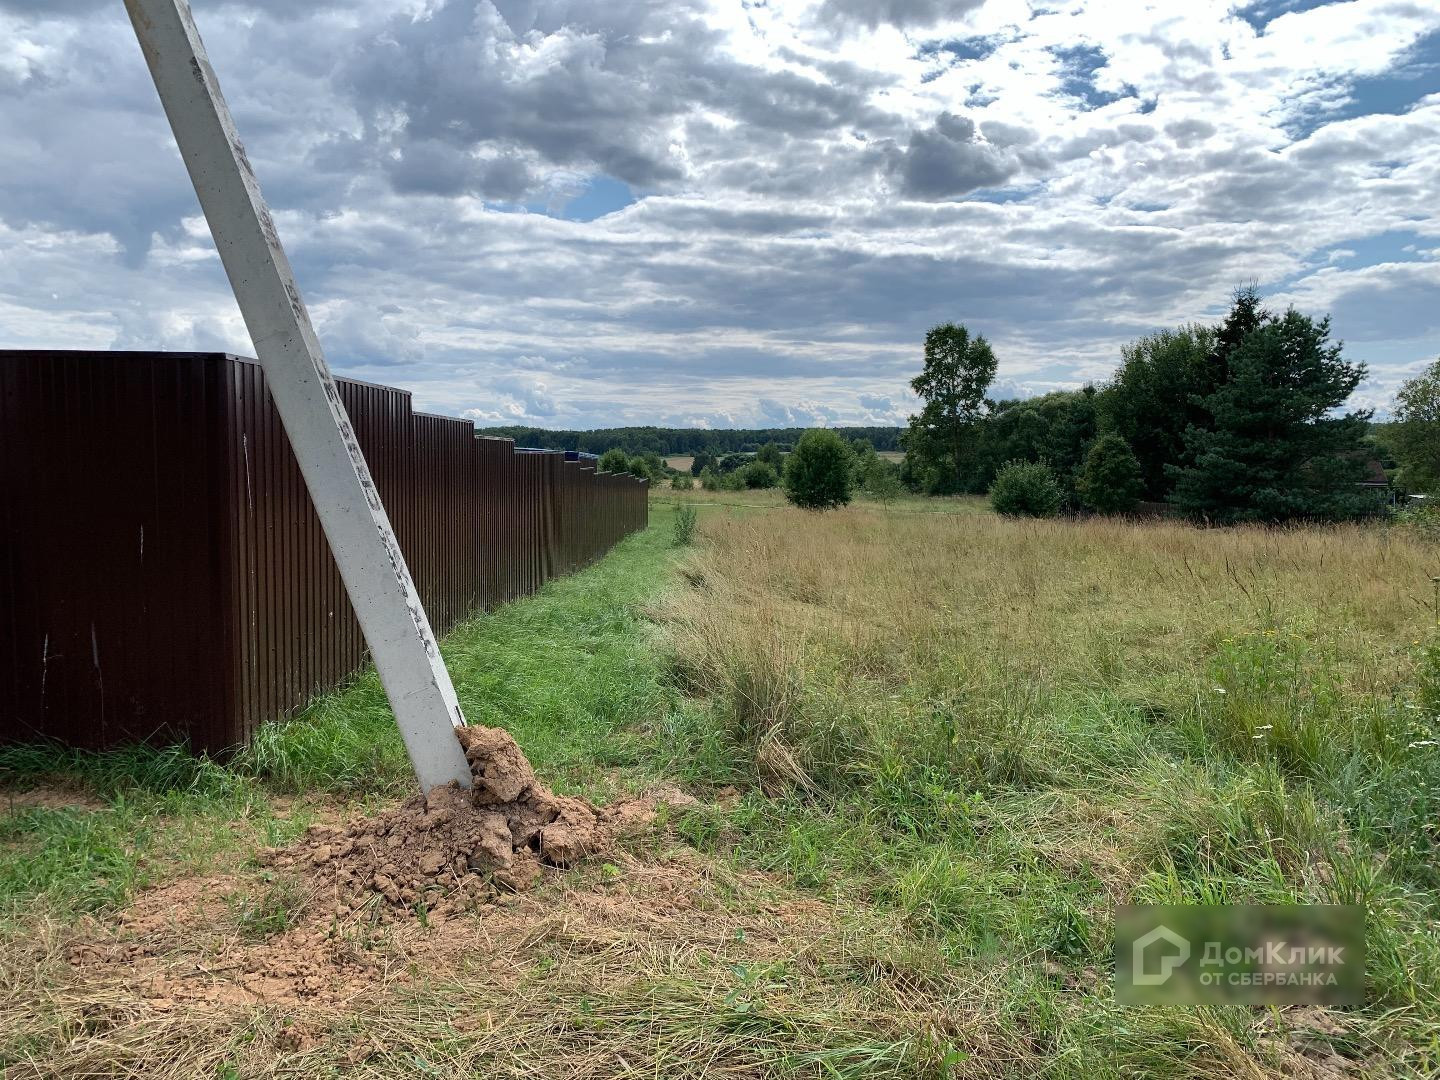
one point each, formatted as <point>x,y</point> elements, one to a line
<point>933,750</point>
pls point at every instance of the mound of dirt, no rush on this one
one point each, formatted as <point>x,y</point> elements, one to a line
<point>456,847</point>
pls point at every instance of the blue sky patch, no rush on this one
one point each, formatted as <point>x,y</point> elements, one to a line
<point>960,49</point>
<point>1078,64</point>
<point>1417,74</point>
<point>1401,245</point>
<point>1262,12</point>
<point>601,196</point>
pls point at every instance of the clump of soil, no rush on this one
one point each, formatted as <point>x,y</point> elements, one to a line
<point>454,847</point>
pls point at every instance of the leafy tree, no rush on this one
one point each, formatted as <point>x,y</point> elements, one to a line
<point>730,462</point>
<point>1273,451</point>
<point>1154,398</point>
<point>872,474</point>
<point>1057,428</point>
<point>1026,489</point>
<point>862,457</point>
<point>655,465</point>
<point>614,460</point>
<point>771,455</point>
<point>1414,437</point>
<point>817,472</point>
<point>647,467</point>
<point>1110,480</point>
<point>958,370</point>
<point>759,474</point>
<point>709,478</point>
<point>700,463</point>
<point>882,481</point>
<point>682,481</point>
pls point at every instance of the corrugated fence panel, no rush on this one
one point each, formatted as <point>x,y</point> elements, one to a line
<point>111,558</point>
<point>163,573</point>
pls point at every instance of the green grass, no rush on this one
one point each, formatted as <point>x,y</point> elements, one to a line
<point>998,733</point>
<point>570,672</point>
<point>970,739</point>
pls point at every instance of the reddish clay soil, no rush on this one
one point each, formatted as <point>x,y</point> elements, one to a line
<point>373,896</point>
<point>453,847</point>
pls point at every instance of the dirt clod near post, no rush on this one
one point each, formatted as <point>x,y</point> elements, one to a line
<point>456,848</point>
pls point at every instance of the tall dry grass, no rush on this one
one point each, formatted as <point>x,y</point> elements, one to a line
<point>991,619</point>
<point>1003,728</point>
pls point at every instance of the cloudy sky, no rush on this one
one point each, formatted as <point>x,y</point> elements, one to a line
<point>579,213</point>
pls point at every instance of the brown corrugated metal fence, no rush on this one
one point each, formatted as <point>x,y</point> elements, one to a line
<point>164,577</point>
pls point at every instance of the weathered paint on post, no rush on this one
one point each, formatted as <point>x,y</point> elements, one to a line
<point>376,577</point>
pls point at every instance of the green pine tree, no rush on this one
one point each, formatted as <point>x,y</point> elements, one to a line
<point>1273,451</point>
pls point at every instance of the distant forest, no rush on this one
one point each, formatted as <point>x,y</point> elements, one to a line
<point>671,441</point>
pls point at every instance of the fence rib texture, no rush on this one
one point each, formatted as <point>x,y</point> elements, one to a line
<point>163,574</point>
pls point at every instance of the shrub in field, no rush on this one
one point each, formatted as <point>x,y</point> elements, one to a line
<point>1422,522</point>
<point>759,474</point>
<point>1429,676</point>
<point>614,460</point>
<point>1110,480</point>
<point>647,467</point>
<point>685,519</point>
<point>709,478</point>
<point>882,481</point>
<point>682,482</point>
<point>817,473</point>
<point>1026,489</point>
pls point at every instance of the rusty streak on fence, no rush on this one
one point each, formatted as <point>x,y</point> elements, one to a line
<point>163,576</point>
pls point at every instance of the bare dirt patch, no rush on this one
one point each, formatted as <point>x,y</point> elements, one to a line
<point>452,848</point>
<point>355,906</point>
<point>47,797</point>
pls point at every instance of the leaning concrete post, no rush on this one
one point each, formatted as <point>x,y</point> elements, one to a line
<point>355,523</point>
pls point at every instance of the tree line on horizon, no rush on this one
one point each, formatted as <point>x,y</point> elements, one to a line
<point>675,442</point>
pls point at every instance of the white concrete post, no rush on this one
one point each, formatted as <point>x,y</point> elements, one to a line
<point>355,522</point>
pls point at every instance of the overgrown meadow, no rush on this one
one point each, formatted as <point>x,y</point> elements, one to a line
<point>1001,729</point>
